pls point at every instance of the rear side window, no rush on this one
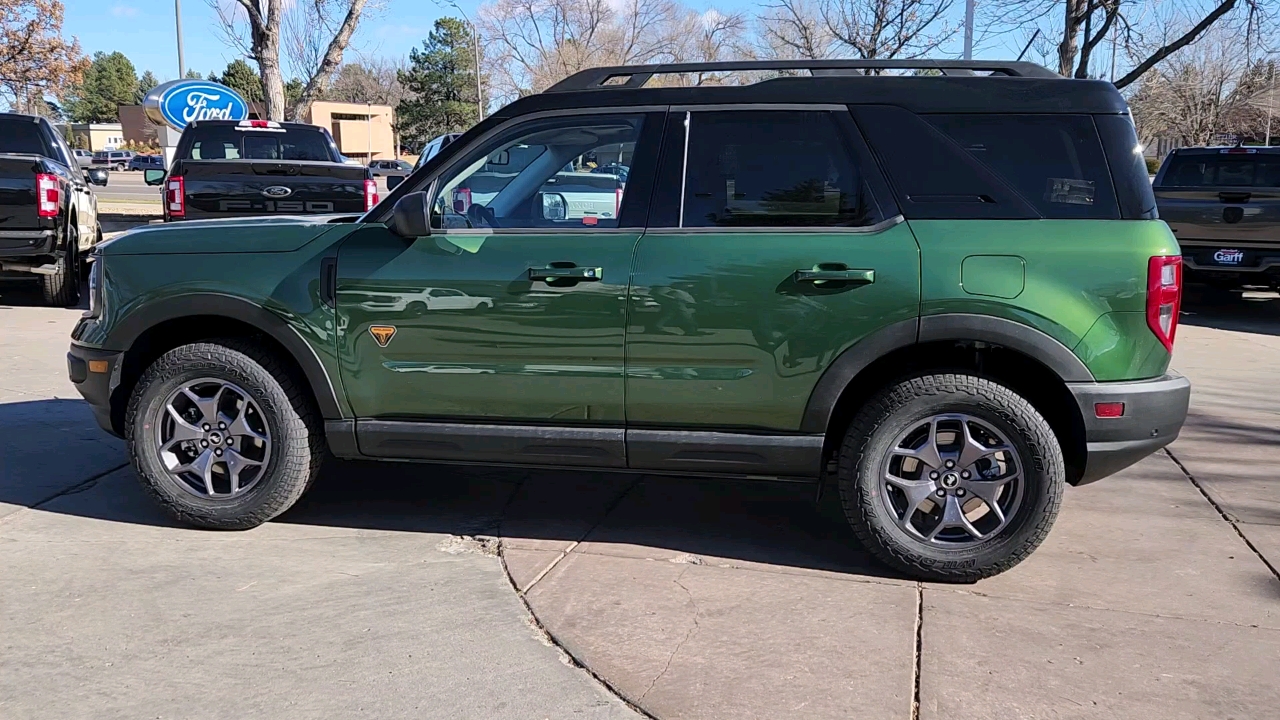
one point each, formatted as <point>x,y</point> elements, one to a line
<point>772,168</point>
<point>1055,162</point>
<point>1225,169</point>
<point>22,137</point>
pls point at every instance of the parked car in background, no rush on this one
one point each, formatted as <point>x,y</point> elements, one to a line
<point>114,159</point>
<point>434,147</point>
<point>48,212</point>
<point>946,295</point>
<point>390,168</point>
<point>621,171</point>
<point>84,158</point>
<point>226,168</point>
<point>146,162</point>
<point>1223,204</point>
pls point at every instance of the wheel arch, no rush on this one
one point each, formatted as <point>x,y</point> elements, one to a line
<point>1027,360</point>
<point>152,330</point>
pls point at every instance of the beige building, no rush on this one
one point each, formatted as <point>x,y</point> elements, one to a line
<point>96,136</point>
<point>363,132</point>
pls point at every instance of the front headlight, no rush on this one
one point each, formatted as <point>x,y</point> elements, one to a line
<point>95,287</point>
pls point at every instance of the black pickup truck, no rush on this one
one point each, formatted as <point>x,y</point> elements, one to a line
<point>1223,204</point>
<point>48,213</point>
<point>228,168</point>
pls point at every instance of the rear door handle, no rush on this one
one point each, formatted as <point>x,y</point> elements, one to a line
<point>833,272</point>
<point>566,272</point>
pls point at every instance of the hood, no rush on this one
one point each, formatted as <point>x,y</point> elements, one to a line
<point>225,235</point>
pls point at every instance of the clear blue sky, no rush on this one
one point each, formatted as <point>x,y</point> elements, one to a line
<point>144,31</point>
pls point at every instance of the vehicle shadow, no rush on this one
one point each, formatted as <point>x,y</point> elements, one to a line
<point>20,292</point>
<point>1250,312</point>
<point>720,522</point>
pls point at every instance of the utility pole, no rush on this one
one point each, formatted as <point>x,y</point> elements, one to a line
<point>1271,101</point>
<point>968,29</point>
<point>177,14</point>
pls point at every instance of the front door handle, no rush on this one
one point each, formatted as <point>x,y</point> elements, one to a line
<point>566,272</point>
<point>834,273</point>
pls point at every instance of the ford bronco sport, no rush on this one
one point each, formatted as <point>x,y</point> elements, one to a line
<point>947,294</point>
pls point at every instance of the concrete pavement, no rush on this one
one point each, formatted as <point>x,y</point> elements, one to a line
<point>1153,596</point>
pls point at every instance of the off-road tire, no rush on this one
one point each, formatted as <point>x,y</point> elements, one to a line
<point>62,288</point>
<point>890,413</point>
<point>297,436</point>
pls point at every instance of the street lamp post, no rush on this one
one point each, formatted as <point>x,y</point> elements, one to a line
<point>475,43</point>
<point>968,29</point>
<point>177,14</point>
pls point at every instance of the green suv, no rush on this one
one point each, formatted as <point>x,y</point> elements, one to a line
<point>945,291</point>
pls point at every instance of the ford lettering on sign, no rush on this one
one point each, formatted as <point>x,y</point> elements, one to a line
<point>1229,257</point>
<point>181,102</point>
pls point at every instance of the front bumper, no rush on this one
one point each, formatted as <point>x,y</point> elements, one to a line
<point>1154,411</point>
<point>96,374</point>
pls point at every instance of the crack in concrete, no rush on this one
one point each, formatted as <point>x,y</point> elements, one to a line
<point>917,653</point>
<point>79,487</point>
<point>1223,513</point>
<point>676,650</point>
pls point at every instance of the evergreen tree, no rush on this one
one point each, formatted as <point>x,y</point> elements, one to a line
<point>193,75</point>
<point>145,83</point>
<point>242,78</point>
<point>439,85</point>
<point>110,82</point>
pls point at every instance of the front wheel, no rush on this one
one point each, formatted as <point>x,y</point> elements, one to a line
<point>223,435</point>
<point>950,477</point>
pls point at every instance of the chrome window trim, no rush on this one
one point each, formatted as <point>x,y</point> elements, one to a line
<point>781,229</point>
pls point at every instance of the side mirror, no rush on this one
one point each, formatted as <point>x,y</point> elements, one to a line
<point>153,177</point>
<point>554,206</point>
<point>98,176</point>
<point>411,216</point>
<point>393,181</point>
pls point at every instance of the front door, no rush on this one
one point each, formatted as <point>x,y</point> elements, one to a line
<point>783,250</point>
<point>513,310</point>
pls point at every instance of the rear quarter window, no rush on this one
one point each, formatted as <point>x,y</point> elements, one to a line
<point>1055,162</point>
<point>1224,169</point>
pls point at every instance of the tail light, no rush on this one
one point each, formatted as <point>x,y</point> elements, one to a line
<point>461,200</point>
<point>1164,296</point>
<point>48,195</point>
<point>617,202</point>
<point>175,197</point>
<point>370,194</point>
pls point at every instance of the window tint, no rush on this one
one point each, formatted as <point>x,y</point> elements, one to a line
<point>225,142</point>
<point>1054,161</point>
<point>771,169</point>
<point>1225,169</point>
<point>22,137</point>
<point>538,174</point>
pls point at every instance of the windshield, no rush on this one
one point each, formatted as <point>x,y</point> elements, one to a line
<point>22,137</point>
<point>226,142</point>
<point>1224,170</point>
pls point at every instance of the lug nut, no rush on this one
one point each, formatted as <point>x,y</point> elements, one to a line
<point>933,475</point>
<point>942,493</point>
<point>949,463</point>
<point>959,491</point>
<point>204,443</point>
<point>964,474</point>
<point>207,426</point>
<point>222,426</point>
<point>229,440</point>
<point>218,451</point>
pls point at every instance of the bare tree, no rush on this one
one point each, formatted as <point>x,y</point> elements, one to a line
<point>314,34</point>
<point>871,29</point>
<point>34,58</point>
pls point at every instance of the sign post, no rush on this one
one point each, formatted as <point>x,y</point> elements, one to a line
<point>175,104</point>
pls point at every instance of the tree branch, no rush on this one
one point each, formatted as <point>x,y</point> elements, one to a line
<point>1187,38</point>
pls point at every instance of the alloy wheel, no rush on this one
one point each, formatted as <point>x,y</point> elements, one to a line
<point>213,439</point>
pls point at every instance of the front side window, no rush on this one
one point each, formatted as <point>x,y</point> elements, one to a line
<point>539,175</point>
<point>772,168</point>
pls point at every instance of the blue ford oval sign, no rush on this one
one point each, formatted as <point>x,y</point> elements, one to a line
<point>180,102</point>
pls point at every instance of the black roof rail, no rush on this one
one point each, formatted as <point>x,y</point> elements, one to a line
<point>635,76</point>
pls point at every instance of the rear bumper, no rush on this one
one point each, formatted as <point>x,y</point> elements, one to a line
<point>1154,411</point>
<point>27,243</point>
<point>95,381</point>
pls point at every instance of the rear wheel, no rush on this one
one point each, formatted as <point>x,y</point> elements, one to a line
<point>222,435</point>
<point>950,477</point>
<point>62,287</point>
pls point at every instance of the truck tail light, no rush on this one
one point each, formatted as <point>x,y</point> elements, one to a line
<point>617,202</point>
<point>370,194</point>
<point>1164,296</point>
<point>175,197</point>
<point>48,195</point>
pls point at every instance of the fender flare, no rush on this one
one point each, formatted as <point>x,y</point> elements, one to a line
<point>130,327</point>
<point>1033,343</point>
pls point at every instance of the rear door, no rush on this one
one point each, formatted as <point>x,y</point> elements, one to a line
<point>773,246</point>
